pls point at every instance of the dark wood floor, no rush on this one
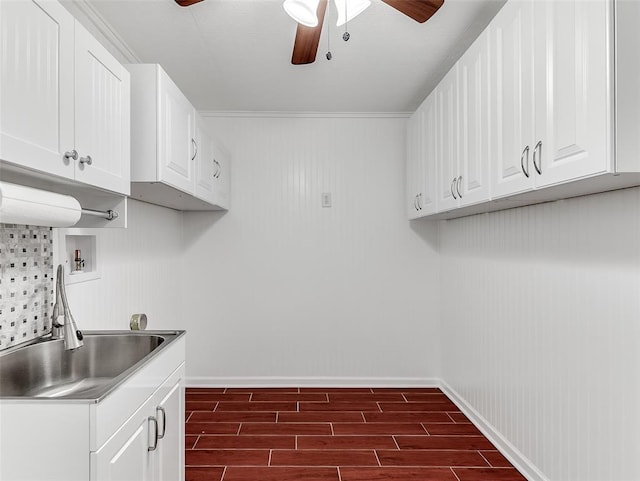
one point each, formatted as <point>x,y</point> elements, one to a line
<point>313,434</point>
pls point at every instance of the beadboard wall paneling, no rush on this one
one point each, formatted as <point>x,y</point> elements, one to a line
<point>141,271</point>
<point>282,290</point>
<point>541,335</point>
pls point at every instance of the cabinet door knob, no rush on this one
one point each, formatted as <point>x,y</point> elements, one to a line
<point>161,410</point>
<point>538,149</point>
<point>86,160</point>
<point>153,420</point>
<point>525,152</point>
<point>72,154</point>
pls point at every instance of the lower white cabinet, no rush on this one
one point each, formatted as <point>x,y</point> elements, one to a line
<point>136,433</point>
<point>149,445</point>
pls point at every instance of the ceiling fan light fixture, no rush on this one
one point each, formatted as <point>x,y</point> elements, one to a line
<point>305,12</point>
<point>350,9</point>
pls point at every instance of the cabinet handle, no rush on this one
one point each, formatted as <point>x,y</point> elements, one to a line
<point>451,188</point>
<point>415,202</point>
<point>153,420</point>
<point>219,169</point>
<point>216,174</point>
<point>86,160</point>
<point>420,201</point>
<point>458,187</point>
<point>538,149</point>
<point>525,152</point>
<point>195,149</point>
<point>71,155</point>
<point>164,421</point>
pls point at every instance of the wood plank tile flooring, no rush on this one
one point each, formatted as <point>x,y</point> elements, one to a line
<point>316,434</point>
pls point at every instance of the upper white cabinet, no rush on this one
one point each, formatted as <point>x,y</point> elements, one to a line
<point>175,162</point>
<point>447,141</point>
<point>551,65</point>
<point>512,94</point>
<point>463,130</point>
<point>474,100</point>
<point>176,137</point>
<point>421,160</point>
<point>64,100</point>
<point>572,96</point>
<point>102,116</point>
<point>544,105</point>
<point>212,169</point>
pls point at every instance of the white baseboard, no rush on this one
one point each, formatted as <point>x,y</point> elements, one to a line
<point>320,381</point>
<point>508,450</point>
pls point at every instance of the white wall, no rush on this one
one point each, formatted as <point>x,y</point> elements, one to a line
<point>141,271</point>
<point>541,335</point>
<point>282,291</point>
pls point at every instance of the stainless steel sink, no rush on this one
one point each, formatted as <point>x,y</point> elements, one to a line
<point>46,370</point>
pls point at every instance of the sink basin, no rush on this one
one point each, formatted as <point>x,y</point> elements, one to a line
<point>45,370</point>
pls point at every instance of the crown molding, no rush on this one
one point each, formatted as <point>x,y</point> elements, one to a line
<point>97,23</point>
<point>311,115</point>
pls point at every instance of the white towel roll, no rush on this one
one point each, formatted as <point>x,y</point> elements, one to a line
<point>26,205</point>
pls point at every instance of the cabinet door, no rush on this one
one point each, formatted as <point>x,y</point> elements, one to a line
<point>572,68</point>
<point>474,123</point>
<point>448,152</point>
<point>102,116</point>
<point>125,457</point>
<point>221,186</point>
<point>204,164</point>
<point>36,85</point>
<point>413,164</point>
<point>177,147</point>
<point>170,452</point>
<point>427,197</point>
<point>512,95</point>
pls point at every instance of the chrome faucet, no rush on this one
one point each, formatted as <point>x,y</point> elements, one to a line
<point>68,331</point>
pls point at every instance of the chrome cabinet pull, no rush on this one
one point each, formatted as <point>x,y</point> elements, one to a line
<point>415,202</point>
<point>153,420</point>
<point>525,152</point>
<point>451,188</point>
<point>458,187</point>
<point>216,174</point>
<point>419,202</point>
<point>538,149</point>
<point>195,149</point>
<point>86,160</point>
<point>161,410</point>
<point>71,155</point>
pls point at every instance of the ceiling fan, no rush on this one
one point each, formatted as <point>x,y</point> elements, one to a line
<point>307,39</point>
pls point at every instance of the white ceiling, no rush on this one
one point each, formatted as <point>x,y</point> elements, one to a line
<point>235,55</point>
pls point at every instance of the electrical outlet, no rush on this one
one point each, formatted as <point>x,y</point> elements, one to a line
<point>326,199</point>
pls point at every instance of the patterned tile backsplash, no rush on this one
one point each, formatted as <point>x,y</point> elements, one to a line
<point>26,283</point>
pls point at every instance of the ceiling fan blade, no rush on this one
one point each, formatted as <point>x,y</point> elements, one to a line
<point>305,46</point>
<point>186,3</point>
<point>419,10</point>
